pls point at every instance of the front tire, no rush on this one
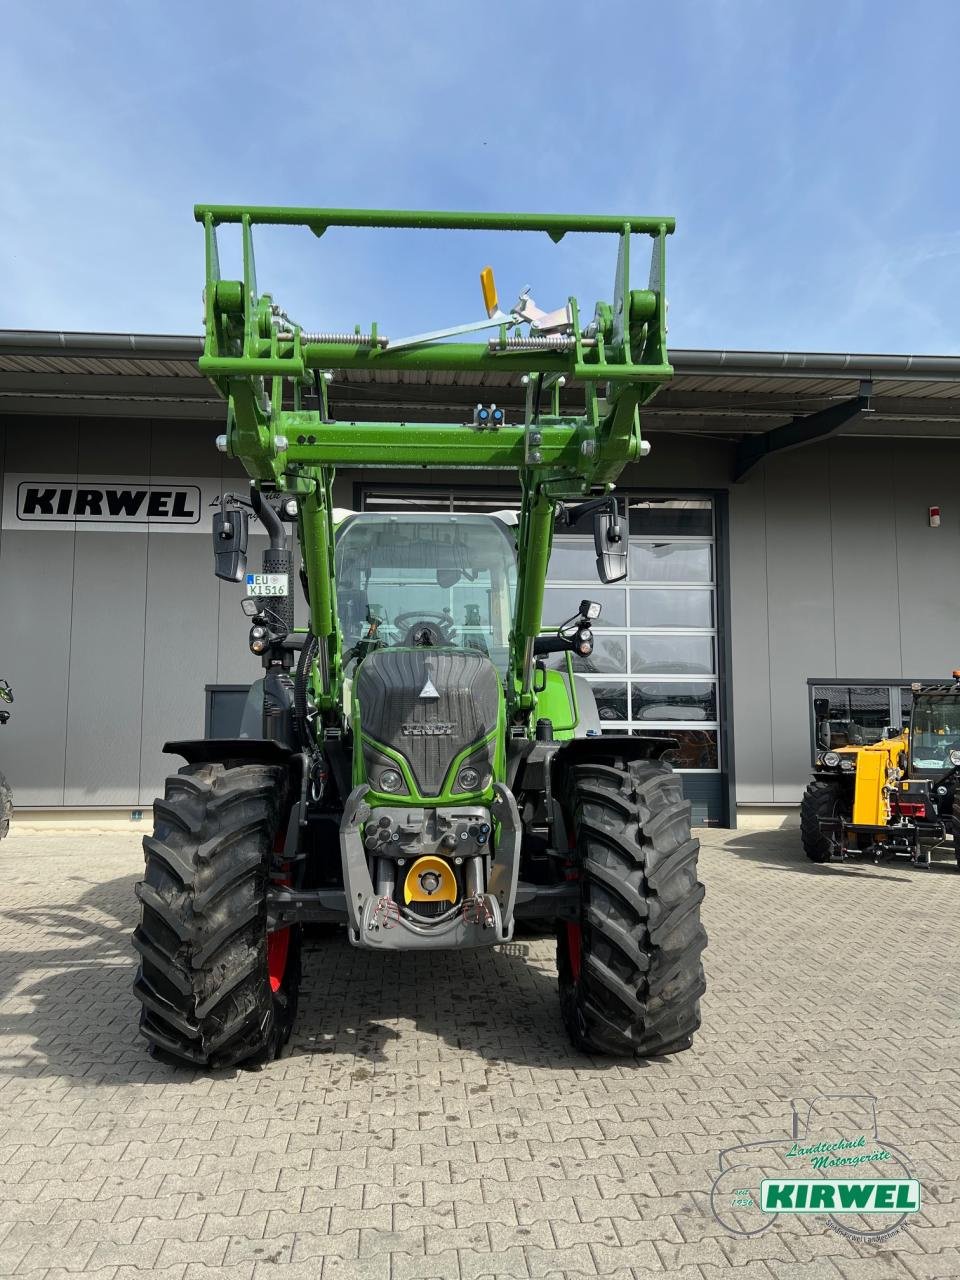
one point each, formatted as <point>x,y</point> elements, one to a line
<point>216,989</point>
<point>630,972</point>
<point>823,798</point>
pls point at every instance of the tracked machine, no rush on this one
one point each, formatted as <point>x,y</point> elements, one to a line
<point>411,766</point>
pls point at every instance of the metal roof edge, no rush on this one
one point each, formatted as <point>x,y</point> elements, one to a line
<point>684,360</point>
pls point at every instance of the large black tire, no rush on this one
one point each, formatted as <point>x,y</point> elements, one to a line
<point>215,992</point>
<point>6,806</point>
<point>823,798</point>
<point>630,971</point>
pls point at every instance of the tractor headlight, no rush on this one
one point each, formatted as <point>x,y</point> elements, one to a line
<point>848,765</point>
<point>955,757</point>
<point>831,759</point>
<point>390,780</point>
<point>468,779</point>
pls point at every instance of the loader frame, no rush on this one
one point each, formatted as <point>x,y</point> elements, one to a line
<point>275,376</point>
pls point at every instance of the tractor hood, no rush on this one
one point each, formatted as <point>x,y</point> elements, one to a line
<point>420,711</point>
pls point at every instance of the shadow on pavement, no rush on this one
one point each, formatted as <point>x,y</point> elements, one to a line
<point>782,851</point>
<point>74,1015</point>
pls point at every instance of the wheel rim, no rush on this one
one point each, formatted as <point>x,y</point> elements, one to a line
<point>574,949</point>
<point>278,942</point>
<point>278,949</point>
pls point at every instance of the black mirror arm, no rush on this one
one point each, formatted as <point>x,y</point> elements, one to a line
<point>569,515</point>
<point>550,644</point>
<point>574,634</point>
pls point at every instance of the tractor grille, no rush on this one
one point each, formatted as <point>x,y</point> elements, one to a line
<point>428,705</point>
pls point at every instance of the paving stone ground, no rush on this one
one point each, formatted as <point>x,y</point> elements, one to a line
<point>430,1118</point>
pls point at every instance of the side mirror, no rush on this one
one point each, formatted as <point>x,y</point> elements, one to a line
<point>610,545</point>
<point>230,544</point>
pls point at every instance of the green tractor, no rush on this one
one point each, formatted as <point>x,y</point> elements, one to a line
<point>413,765</point>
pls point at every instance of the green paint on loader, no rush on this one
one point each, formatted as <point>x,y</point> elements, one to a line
<point>408,767</point>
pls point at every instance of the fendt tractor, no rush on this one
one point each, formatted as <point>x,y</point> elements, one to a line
<point>421,764</point>
<point>894,797</point>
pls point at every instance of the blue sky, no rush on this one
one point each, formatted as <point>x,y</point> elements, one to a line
<point>807,150</point>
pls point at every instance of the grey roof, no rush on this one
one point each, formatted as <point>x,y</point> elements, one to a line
<point>725,393</point>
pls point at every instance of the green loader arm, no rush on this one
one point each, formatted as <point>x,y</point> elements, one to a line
<point>268,367</point>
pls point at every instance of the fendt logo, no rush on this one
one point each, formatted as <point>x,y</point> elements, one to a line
<point>429,729</point>
<point>96,501</point>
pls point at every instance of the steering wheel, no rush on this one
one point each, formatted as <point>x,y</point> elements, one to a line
<point>428,623</point>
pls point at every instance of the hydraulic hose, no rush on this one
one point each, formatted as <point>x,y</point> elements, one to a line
<point>307,654</point>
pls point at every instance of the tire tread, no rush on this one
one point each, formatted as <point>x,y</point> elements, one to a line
<point>641,975</point>
<point>202,980</point>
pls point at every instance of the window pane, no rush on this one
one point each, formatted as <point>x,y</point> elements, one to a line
<point>504,500</point>
<point>611,700</point>
<point>850,714</point>
<point>573,560</point>
<point>697,748</point>
<point>653,608</point>
<point>412,502</point>
<point>672,516</point>
<point>675,701</point>
<point>561,603</point>
<point>672,655</point>
<point>609,655</point>
<point>671,562</point>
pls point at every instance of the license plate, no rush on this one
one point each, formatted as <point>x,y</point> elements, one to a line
<point>267,584</point>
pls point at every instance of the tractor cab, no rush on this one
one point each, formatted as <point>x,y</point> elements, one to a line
<point>425,581</point>
<point>935,730</point>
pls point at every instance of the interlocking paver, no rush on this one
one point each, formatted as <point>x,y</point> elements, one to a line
<point>432,1121</point>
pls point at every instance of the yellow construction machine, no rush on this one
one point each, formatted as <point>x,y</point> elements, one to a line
<point>898,797</point>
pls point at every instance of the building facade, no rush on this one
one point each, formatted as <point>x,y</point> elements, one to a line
<point>781,536</point>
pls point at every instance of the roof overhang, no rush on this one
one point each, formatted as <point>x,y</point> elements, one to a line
<point>722,394</point>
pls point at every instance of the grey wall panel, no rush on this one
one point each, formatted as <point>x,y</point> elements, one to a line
<point>113,447</point>
<point>750,642</point>
<point>182,612</point>
<point>180,649</point>
<point>928,560</point>
<point>681,462</point>
<point>36,592</point>
<point>800,600</point>
<point>42,444</point>
<point>105,701</point>
<point>864,544</point>
<point>104,708</point>
<point>184,449</point>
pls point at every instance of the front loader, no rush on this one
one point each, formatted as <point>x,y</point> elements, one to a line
<point>409,766</point>
<point>897,797</point>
